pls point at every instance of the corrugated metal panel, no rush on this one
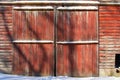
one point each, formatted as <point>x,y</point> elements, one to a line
<point>109,35</point>
<point>5,39</point>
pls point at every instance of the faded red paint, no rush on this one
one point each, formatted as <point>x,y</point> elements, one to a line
<point>109,17</point>
<point>72,59</point>
<point>33,59</point>
<point>77,59</point>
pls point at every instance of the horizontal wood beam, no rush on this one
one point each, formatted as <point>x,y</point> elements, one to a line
<point>60,3</point>
<point>78,8</point>
<point>34,8</point>
<point>109,4</point>
<point>59,42</point>
<point>59,8</point>
<point>77,42</point>
<point>33,41</point>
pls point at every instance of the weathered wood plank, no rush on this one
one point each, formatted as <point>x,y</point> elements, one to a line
<point>77,42</point>
<point>33,41</point>
<point>71,8</point>
<point>50,3</point>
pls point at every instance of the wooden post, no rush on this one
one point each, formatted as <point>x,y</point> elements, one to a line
<point>55,39</point>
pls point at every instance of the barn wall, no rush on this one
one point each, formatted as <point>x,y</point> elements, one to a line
<point>5,39</point>
<point>109,37</point>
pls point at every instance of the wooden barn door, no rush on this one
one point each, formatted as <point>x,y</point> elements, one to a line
<point>33,42</point>
<point>56,42</point>
<point>77,42</point>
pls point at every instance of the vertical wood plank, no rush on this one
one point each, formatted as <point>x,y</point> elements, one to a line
<point>79,60</point>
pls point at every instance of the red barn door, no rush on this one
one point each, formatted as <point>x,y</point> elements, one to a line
<point>33,38</point>
<point>76,45</point>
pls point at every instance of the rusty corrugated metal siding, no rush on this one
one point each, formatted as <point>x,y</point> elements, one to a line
<point>109,35</point>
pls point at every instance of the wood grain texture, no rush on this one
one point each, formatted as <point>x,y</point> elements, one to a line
<point>72,59</point>
<point>77,59</point>
<point>33,59</point>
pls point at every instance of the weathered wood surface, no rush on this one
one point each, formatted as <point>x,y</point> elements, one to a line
<point>50,2</point>
<point>77,59</point>
<point>68,8</point>
<point>65,2</point>
<point>36,58</point>
<point>72,59</point>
